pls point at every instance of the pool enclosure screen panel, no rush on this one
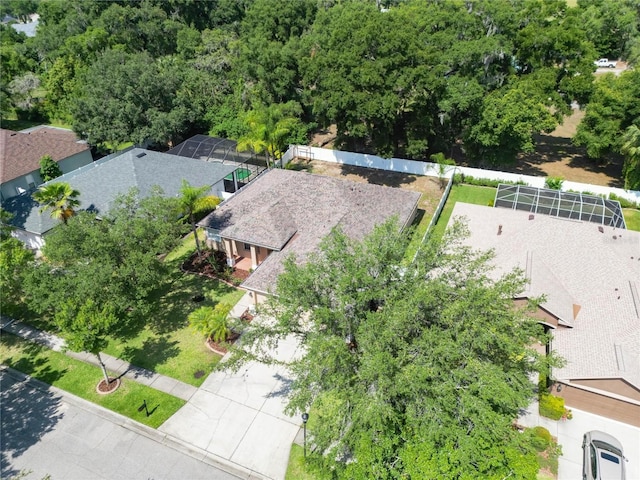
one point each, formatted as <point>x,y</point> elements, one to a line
<point>570,205</point>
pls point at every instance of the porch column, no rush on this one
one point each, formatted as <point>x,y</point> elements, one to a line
<point>254,257</point>
<point>231,261</point>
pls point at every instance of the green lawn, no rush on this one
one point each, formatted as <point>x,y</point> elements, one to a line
<point>167,344</point>
<point>632,218</point>
<point>81,379</point>
<point>467,194</point>
<point>418,233</point>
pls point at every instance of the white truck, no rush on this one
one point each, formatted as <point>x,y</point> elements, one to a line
<point>605,63</point>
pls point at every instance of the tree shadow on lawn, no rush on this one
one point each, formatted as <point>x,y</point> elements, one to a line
<point>153,352</point>
<point>177,299</point>
<point>551,149</point>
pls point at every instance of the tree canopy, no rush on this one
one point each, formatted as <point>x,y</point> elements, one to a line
<point>110,258</point>
<point>407,371</point>
<point>410,80</point>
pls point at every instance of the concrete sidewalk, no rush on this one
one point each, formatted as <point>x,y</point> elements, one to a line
<point>46,430</point>
<point>119,368</point>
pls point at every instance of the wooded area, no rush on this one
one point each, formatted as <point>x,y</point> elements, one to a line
<point>398,78</point>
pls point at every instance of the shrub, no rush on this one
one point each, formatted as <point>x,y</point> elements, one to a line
<point>624,203</point>
<point>551,407</point>
<point>459,178</point>
<point>213,322</point>
<point>540,438</point>
<point>554,183</point>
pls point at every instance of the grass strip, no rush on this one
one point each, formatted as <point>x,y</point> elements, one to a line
<point>81,379</point>
<point>632,218</point>
<point>474,194</point>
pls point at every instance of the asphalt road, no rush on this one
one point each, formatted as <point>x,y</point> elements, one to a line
<point>45,432</point>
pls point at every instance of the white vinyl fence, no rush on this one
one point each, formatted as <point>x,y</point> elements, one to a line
<point>432,169</point>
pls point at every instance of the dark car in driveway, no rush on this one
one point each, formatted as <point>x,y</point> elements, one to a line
<point>603,457</point>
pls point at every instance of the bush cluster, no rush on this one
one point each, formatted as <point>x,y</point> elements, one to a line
<point>624,203</point>
<point>551,407</point>
<point>461,178</point>
<point>540,438</point>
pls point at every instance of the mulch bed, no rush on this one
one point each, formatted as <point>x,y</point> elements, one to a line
<point>203,264</point>
<point>222,347</point>
<point>105,388</point>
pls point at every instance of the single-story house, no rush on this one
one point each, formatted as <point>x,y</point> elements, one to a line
<point>20,155</point>
<point>590,277</point>
<point>285,212</point>
<point>102,181</point>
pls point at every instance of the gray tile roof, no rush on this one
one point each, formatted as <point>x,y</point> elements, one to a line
<point>291,212</point>
<point>573,262</point>
<point>101,182</point>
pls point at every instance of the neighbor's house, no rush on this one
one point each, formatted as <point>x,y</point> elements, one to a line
<point>20,155</point>
<point>285,212</point>
<point>102,181</point>
<point>590,276</point>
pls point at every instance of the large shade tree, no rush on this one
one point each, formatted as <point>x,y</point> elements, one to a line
<point>408,371</point>
<point>111,258</point>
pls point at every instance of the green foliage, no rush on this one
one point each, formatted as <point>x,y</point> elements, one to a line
<point>193,201</point>
<point>540,438</point>
<point>15,261</point>
<point>605,128</point>
<point>49,169</point>
<point>554,183</point>
<point>269,129</point>
<point>118,253</point>
<point>631,150</point>
<point>462,179</point>
<point>551,406</point>
<point>399,369</point>
<point>129,97</point>
<point>624,203</point>
<point>213,322</point>
<point>60,198</point>
<point>85,326</point>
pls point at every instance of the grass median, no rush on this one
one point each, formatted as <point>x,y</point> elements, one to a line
<point>81,379</point>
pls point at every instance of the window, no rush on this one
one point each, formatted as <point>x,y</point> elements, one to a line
<point>257,250</point>
<point>247,246</point>
<point>594,461</point>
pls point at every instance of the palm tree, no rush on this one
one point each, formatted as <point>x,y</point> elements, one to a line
<point>631,149</point>
<point>213,322</point>
<point>60,198</point>
<point>268,129</point>
<point>195,199</point>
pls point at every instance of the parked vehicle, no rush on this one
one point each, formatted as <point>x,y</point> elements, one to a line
<point>605,63</point>
<point>603,458</point>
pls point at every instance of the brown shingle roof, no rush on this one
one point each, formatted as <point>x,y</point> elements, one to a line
<point>20,153</point>
<point>577,264</point>
<point>281,203</point>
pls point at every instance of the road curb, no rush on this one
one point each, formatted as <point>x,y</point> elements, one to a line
<point>139,428</point>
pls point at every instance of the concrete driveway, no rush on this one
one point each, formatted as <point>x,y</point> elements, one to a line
<point>49,432</point>
<point>240,417</point>
<point>570,432</point>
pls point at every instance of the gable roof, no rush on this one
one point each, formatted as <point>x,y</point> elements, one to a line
<point>20,153</point>
<point>101,182</point>
<point>290,212</point>
<point>578,264</point>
